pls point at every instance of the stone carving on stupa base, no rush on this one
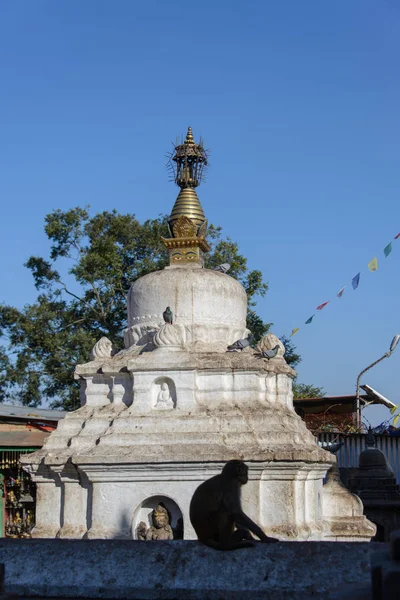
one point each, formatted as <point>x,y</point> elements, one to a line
<point>160,528</point>
<point>168,336</point>
<point>164,398</point>
<point>102,349</point>
<point>141,336</point>
<point>269,342</point>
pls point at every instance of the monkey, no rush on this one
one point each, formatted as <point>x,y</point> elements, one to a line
<point>216,509</point>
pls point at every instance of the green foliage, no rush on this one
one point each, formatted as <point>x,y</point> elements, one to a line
<point>291,356</point>
<point>105,254</point>
<point>304,390</point>
<point>226,251</point>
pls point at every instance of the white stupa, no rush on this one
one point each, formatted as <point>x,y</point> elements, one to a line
<point>168,411</point>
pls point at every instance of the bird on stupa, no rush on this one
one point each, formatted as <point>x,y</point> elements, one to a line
<point>168,315</point>
<point>270,353</point>
<point>224,268</point>
<point>240,345</point>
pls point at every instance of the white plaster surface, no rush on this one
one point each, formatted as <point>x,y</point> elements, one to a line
<point>166,413</point>
<point>210,307</point>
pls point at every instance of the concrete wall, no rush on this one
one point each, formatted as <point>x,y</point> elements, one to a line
<point>185,570</point>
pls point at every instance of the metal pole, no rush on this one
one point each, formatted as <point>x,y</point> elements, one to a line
<point>358,406</point>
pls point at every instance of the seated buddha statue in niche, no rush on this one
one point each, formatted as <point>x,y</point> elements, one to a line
<point>160,529</point>
<point>164,400</point>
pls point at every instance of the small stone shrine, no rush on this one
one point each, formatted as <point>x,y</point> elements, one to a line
<point>168,411</point>
<point>375,483</point>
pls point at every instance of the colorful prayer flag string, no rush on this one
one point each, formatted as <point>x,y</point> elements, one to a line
<point>321,306</point>
<point>355,281</point>
<point>387,250</point>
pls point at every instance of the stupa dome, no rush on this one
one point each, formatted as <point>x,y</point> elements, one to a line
<point>209,306</point>
<point>373,462</point>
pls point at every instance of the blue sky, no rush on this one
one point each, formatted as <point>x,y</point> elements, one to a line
<point>298,102</point>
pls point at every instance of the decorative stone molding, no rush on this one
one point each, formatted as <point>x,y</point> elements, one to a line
<point>268,342</point>
<point>168,336</point>
<point>48,500</point>
<point>141,334</point>
<point>102,349</point>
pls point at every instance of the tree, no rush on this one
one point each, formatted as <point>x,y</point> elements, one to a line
<point>300,390</point>
<point>304,390</point>
<point>291,356</point>
<point>85,300</point>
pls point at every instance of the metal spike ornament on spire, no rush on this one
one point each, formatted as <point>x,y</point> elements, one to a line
<point>189,162</point>
<point>187,222</point>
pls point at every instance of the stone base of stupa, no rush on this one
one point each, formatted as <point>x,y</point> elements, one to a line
<point>148,434</point>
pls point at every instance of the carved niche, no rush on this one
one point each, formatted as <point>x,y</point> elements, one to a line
<point>163,394</point>
<point>157,518</point>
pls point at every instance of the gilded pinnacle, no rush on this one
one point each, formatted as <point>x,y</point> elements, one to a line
<point>187,222</point>
<point>189,136</point>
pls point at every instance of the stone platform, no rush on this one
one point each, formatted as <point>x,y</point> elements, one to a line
<point>186,570</point>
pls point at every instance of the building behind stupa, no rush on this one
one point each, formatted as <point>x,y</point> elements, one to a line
<point>167,412</point>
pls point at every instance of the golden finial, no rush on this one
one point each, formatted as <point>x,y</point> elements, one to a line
<point>187,222</point>
<point>189,136</point>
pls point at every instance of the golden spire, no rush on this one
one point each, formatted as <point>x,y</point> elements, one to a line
<point>189,136</point>
<point>187,222</point>
<point>187,204</point>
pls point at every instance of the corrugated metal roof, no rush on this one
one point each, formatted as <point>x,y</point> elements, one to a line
<point>354,444</point>
<point>31,438</point>
<point>28,413</point>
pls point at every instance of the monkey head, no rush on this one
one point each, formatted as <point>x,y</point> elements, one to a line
<point>236,469</point>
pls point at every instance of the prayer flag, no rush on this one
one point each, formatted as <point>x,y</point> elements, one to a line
<point>395,420</point>
<point>294,331</point>
<point>355,281</point>
<point>387,250</point>
<point>321,306</point>
<point>393,409</point>
<point>373,265</point>
<point>309,320</point>
<point>397,236</point>
<point>340,292</point>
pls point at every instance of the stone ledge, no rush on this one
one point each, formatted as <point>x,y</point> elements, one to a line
<point>184,570</point>
<point>185,361</point>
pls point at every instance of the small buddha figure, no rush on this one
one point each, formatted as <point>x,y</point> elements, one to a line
<point>164,400</point>
<point>161,529</point>
<point>11,497</point>
<point>18,522</point>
